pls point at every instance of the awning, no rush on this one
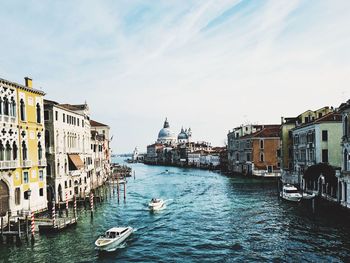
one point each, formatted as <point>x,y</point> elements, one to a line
<point>75,163</point>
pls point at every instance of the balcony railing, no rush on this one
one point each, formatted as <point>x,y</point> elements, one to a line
<point>74,173</point>
<point>42,162</point>
<point>9,164</point>
<point>26,163</point>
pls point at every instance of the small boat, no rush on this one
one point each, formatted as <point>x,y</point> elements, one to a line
<point>113,238</point>
<point>308,196</point>
<point>156,204</point>
<point>122,181</point>
<point>290,193</point>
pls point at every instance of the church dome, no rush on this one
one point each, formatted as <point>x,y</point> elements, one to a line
<point>182,135</point>
<point>166,133</point>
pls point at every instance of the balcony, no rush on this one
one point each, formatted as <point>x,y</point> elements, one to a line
<point>26,163</point>
<point>9,164</point>
<point>74,173</point>
<point>42,162</point>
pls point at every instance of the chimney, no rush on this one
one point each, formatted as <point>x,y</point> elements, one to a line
<point>28,82</point>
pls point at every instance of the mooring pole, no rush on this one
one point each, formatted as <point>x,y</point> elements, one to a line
<point>2,229</point>
<point>92,204</point>
<point>124,190</point>
<point>313,205</point>
<point>67,204</point>
<point>118,187</point>
<point>32,226</point>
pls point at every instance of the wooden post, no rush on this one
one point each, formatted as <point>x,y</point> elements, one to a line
<point>75,207</point>
<point>27,228</point>
<point>32,226</point>
<point>2,229</point>
<point>67,204</point>
<point>313,205</point>
<point>118,187</point>
<point>92,204</point>
<point>134,175</point>
<point>8,221</point>
<point>19,229</point>
<point>124,190</point>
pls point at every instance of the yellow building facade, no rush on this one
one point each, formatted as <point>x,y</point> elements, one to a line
<point>22,148</point>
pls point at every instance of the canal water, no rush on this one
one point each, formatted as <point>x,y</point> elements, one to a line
<point>209,218</point>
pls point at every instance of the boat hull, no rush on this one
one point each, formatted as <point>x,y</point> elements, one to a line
<point>112,246</point>
<point>291,198</point>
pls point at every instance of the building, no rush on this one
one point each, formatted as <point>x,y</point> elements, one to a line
<point>317,154</point>
<point>67,141</point>
<point>100,145</point>
<point>22,148</point>
<point>344,179</point>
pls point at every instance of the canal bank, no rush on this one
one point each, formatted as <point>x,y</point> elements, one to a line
<point>209,218</point>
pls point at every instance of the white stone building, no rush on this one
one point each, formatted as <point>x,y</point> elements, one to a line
<point>101,152</point>
<point>69,155</point>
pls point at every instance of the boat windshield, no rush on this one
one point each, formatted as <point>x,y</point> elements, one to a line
<point>292,191</point>
<point>110,234</point>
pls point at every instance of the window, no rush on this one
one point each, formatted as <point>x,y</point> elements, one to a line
<point>41,191</point>
<point>346,159</point>
<point>248,157</point>
<point>237,157</point>
<point>38,113</point>
<point>346,127</point>
<point>56,115</point>
<point>2,152</point>
<point>25,177</point>
<point>261,144</point>
<point>8,152</point>
<point>261,157</point>
<point>278,165</point>
<point>47,139</point>
<point>13,106</point>
<point>70,183</point>
<point>6,106</point>
<point>40,151</point>
<point>320,114</point>
<point>0,105</point>
<point>14,151</point>
<point>26,197</point>
<point>325,156</point>
<point>306,119</point>
<point>22,109</point>
<point>41,175</point>
<point>65,184</point>
<point>24,151</point>
<point>324,135</point>
<point>78,120</point>
<point>17,196</point>
<point>64,117</point>
<point>82,123</point>
<point>46,115</point>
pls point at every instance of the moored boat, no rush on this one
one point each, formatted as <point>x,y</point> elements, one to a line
<point>113,238</point>
<point>308,196</point>
<point>290,193</point>
<point>156,204</point>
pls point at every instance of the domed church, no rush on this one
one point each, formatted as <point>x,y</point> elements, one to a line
<point>184,136</point>
<point>165,135</point>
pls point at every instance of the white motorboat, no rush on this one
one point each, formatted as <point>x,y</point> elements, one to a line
<point>290,193</point>
<point>113,238</point>
<point>156,204</point>
<point>308,196</point>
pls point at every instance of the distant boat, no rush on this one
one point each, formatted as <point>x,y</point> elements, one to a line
<point>112,238</point>
<point>290,193</point>
<point>156,204</point>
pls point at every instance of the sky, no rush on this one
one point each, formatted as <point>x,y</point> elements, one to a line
<point>208,65</point>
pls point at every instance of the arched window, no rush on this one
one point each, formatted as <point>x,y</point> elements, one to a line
<point>2,151</point>
<point>58,168</point>
<point>13,106</point>
<point>6,106</point>
<point>38,113</point>
<point>65,167</point>
<point>261,157</point>
<point>22,109</point>
<point>40,151</point>
<point>47,138</point>
<point>8,152</point>
<point>24,151</point>
<point>346,160</point>
<point>346,126</point>
<point>14,151</point>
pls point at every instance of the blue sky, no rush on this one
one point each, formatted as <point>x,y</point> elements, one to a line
<point>208,65</point>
